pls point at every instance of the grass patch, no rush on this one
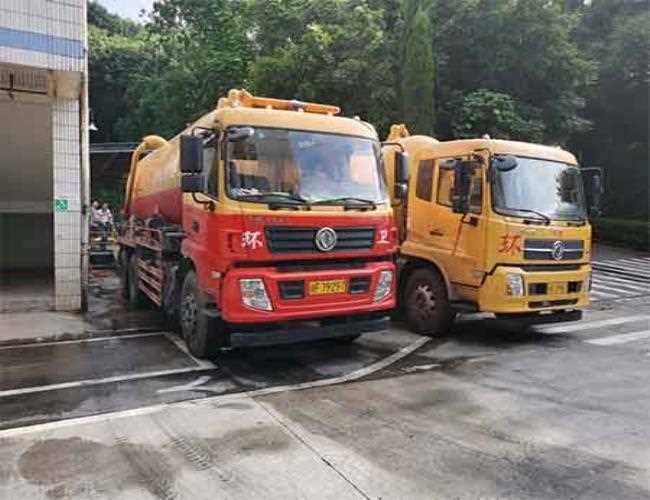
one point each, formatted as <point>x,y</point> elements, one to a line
<point>622,232</point>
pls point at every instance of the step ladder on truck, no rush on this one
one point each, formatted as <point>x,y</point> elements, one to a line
<point>265,222</point>
<point>489,226</point>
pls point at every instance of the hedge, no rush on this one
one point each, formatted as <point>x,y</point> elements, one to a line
<point>624,232</point>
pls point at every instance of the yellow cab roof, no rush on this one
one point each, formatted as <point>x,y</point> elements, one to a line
<point>428,147</point>
<point>277,118</point>
<point>241,108</point>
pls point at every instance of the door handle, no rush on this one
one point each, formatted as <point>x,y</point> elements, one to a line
<point>436,232</point>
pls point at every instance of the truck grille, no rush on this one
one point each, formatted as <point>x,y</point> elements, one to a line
<point>542,288</point>
<point>535,249</point>
<point>301,239</point>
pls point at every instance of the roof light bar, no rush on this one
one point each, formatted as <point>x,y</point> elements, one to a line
<point>243,98</point>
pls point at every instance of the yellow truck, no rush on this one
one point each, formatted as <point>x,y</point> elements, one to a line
<point>488,226</point>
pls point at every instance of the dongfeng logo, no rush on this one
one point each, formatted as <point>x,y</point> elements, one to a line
<point>558,250</point>
<point>325,239</point>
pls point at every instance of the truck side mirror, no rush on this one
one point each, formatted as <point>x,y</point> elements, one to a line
<point>401,191</point>
<point>401,167</point>
<point>238,134</point>
<point>191,154</point>
<point>462,185</point>
<point>401,175</point>
<point>193,183</point>
<point>504,163</point>
<point>597,190</point>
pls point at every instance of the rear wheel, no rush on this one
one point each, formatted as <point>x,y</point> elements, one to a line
<point>426,306</point>
<point>135,296</point>
<point>204,334</point>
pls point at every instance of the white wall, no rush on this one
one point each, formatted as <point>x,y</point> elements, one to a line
<point>44,33</point>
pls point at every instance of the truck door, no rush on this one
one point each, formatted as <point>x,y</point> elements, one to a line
<point>457,241</point>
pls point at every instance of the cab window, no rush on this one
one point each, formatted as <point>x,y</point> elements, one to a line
<point>210,166</point>
<point>445,186</point>
<point>445,190</point>
<point>424,186</point>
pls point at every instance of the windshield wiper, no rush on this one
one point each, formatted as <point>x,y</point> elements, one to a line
<point>281,199</point>
<point>544,217</point>
<point>349,202</point>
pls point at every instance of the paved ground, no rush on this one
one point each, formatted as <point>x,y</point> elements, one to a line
<point>107,314</point>
<point>492,410</point>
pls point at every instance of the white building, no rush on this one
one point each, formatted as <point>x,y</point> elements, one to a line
<point>43,154</point>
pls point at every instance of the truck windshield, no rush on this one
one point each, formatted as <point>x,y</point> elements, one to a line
<point>298,167</point>
<point>539,189</point>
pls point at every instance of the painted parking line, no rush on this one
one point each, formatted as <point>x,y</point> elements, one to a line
<point>200,365</point>
<point>148,410</point>
<point>588,325</point>
<point>100,381</point>
<point>181,346</point>
<point>638,272</point>
<point>621,281</point>
<point>597,286</point>
<point>635,262</point>
<point>623,338</point>
<point>81,341</point>
<point>602,295</point>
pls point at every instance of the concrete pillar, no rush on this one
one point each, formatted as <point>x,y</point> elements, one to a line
<point>67,204</point>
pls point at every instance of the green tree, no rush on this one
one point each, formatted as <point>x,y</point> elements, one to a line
<point>417,71</point>
<point>198,50</point>
<point>114,60</point>
<point>617,34</point>
<point>99,17</point>
<point>496,114</point>
<point>522,48</point>
<point>331,51</point>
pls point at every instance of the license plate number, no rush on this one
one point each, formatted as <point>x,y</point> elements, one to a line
<point>556,288</point>
<point>327,287</point>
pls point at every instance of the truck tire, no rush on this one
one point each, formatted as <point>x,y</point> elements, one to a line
<point>425,303</point>
<point>203,334</point>
<point>135,296</point>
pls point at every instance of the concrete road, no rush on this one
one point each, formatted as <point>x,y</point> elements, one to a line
<point>492,410</point>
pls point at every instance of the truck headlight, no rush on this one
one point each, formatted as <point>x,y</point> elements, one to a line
<point>384,285</point>
<point>515,285</point>
<point>253,294</point>
<point>586,284</point>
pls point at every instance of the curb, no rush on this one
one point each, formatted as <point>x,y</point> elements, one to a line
<point>86,334</point>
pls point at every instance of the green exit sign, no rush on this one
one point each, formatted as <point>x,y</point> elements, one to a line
<point>61,205</point>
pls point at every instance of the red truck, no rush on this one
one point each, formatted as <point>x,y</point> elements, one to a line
<point>265,222</point>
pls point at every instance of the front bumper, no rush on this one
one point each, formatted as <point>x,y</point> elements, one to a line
<point>306,307</point>
<point>537,297</point>
<point>307,331</point>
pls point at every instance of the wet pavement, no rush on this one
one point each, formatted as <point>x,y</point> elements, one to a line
<point>492,410</point>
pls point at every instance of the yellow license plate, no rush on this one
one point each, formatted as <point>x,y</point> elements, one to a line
<point>557,288</point>
<point>327,287</point>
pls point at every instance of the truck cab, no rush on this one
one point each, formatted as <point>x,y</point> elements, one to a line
<point>489,226</point>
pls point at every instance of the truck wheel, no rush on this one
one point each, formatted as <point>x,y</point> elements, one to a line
<point>136,297</point>
<point>425,303</point>
<point>203,334</point>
